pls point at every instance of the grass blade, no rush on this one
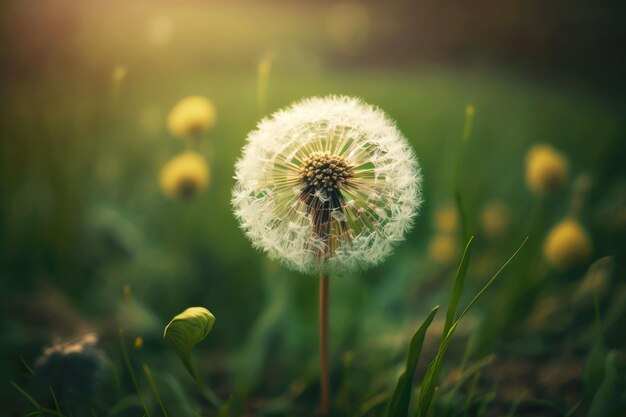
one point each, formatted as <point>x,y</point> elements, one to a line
<point>458,286</point>
<point>132,374</point>
<point>467,129</point>
<point>399,404</point>
<point>491,281</point>
<point>155,391</point>
<point>432,373</point>
<point>27,396</point>
<point>25,365</point>
<point>56,402</point>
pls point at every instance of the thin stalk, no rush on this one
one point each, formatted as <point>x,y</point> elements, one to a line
<point>324,379</point>
<point>129,367</point>
<point>155,391</point>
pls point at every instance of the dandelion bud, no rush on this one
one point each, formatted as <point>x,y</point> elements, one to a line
<point>546,169</point>
<point>191,117</point>
<point>567,245</point>
<point>443,249</point>
<point>184,175</point>
<point>327,185</point>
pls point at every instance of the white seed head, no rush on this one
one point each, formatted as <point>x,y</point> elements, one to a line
<point>328,185</point>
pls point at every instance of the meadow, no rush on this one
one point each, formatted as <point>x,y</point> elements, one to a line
<point>96,258</point>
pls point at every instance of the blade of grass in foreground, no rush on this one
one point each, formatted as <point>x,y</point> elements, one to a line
<point>467,129</point>
<point>430,379</point>
<point>399,404</point>
<point>41,411</point>
<point>458,286</point>
<point>155,391</point>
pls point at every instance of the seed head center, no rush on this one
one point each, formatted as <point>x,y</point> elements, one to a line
<point>325,171</point>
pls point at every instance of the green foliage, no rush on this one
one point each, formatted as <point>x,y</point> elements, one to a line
<point>401,397</point>
<point>231,408</point>
<point>432,373</point>
<point>610,398</point>
<point>457,289</point>
<point>399,404</point>
<point>186,330</point>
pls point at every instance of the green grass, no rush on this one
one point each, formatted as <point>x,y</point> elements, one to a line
<point>81,204</point>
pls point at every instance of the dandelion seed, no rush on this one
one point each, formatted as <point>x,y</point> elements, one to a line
<point>191,117</point>
<point>184,175</point>
<point>340,171</point>
<point>567,245</point>
<point>546,169</point>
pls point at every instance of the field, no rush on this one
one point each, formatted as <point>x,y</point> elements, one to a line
<point>92,248</point>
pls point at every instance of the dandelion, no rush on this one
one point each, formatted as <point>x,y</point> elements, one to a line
<point>138,342</point>
<point>191,117</point>
<point>567,245</point>
<point>495,219</point>
<point>446,218</point>
<point>546,169</point>
<point>328,185</point>
<point>185,175</point>
<point>443,249</point>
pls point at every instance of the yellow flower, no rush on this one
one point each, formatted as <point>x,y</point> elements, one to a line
<point>546,169</point>
<point>138,342</point>
<point>567,245</point>
<point>443,249</point>
<point>446,220</point>
<point>192,116</point>
<point>185,175</point>
<point>495,219</point>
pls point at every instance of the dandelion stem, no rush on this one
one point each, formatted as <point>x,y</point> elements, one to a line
<point>324,379</point>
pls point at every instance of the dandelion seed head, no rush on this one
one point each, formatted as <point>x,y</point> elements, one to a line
<point>328,185</point>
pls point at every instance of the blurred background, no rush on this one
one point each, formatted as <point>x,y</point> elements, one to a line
<point>96,235</point>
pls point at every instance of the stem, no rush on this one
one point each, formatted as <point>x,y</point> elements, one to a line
<point>324,380</point>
